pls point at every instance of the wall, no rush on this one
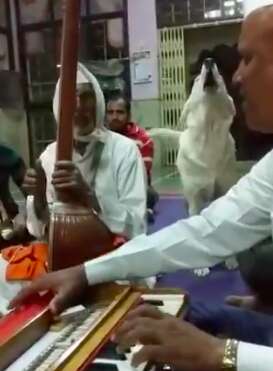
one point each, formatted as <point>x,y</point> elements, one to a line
<point>143,37</point>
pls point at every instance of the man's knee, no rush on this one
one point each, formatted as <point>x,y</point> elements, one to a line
<point>256,268</point>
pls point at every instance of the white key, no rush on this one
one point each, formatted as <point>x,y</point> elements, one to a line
<point>172,303</point>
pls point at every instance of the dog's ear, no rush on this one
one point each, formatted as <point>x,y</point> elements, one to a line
<point>227,59</point>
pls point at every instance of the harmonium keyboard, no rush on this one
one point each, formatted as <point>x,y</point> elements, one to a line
<point>31,340</point>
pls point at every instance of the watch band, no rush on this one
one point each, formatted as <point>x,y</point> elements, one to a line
<point>230,356</point>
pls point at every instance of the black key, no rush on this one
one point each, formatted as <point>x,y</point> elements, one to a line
<point>157,303</point>
<point>102,367</point>
<point>109,351</point>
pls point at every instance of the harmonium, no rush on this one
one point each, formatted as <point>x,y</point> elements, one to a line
<point>80,339</point>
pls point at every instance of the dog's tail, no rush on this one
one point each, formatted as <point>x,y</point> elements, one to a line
<point>169,135</point>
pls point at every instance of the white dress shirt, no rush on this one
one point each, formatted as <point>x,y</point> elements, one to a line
<point>231,224</point>
<point>120,185</point>
<point>254,358</point>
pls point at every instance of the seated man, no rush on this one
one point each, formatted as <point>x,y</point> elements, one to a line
<point>114,184</point>
<point>12,167</point>
<point>118,119</point>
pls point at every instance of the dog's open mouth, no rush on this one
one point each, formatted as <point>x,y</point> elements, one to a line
<point>210,81</point>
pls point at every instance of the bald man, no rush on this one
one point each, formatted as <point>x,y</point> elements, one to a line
<point>232,224</point>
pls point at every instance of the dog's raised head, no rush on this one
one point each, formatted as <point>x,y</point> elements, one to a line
<point>210,81</point>
<point>209,99</point>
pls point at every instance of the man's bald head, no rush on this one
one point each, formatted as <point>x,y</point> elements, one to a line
<point>260,23</point>
<point>255,73</point>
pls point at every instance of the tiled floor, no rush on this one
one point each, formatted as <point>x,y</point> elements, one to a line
<point>166,180</point>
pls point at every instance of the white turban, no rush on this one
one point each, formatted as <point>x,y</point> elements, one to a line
<point>85,76</point>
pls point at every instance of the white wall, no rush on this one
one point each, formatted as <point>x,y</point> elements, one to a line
<point>143,37</point>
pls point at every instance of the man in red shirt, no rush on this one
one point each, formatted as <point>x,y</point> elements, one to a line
<point>119,120</point>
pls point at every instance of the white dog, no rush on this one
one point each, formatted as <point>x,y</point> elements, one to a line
<point>206,158</point>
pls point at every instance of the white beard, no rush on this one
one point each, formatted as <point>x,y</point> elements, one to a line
<point>84,137</point>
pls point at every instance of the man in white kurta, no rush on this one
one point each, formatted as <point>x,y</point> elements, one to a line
<point>233,223</point>
<point>120,182</point>
<point>119,186</point>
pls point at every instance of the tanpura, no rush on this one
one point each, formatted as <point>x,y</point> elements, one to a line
<point>76,234</point>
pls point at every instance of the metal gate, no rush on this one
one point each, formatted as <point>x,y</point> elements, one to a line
<point>172,82</point>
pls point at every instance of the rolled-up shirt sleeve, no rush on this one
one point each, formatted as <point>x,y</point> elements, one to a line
<point>231,224</point>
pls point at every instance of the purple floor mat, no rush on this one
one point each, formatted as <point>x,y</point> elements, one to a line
<point>214,287</point>
<point>168,210</point>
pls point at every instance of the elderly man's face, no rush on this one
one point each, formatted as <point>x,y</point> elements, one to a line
<point>85,117</point>
<point>255,73</point>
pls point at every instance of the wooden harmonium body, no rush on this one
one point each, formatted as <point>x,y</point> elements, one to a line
<point>30,339</point>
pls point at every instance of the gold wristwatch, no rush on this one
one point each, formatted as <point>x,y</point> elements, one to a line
<point>229,362</point>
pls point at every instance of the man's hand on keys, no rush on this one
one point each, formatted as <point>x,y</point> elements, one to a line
<point>68,286</point>
<point>168,340</point>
